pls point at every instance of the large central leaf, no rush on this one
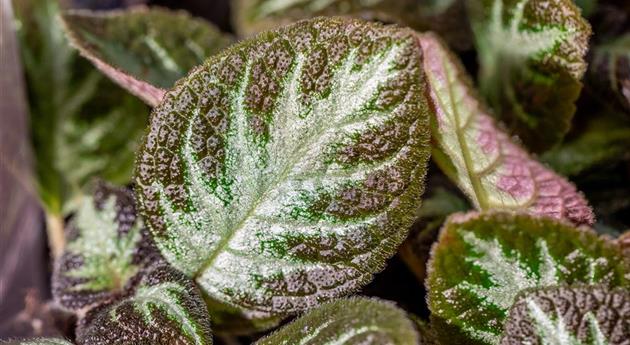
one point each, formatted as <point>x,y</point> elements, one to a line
<point>284,171</point>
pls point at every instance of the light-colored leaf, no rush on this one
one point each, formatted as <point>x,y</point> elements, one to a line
<point>143,50</point>
<point>286,170</point>
<point>347,322</point>
<point>107,246</point>
<point>531,57</point>
<point>483,261</point>
<point>165,307</point>
<point>580,315</point>
<point>492,170</point>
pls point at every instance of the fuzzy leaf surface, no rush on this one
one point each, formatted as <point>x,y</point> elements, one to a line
<point>492,170</point>
<point>447,17</point>
<point>107,245</point>
<point>581,315</point>
<point>531,57</point>
<point>348,322</point>
<point>483,261</point>
<point>165,307</point>
<point>144,50</point>
<point>285,171</point>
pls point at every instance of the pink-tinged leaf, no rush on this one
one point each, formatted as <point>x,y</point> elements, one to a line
<point>489,167</point>
<point>148,93</point>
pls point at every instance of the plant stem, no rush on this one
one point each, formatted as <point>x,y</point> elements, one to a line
<point>56,236</point>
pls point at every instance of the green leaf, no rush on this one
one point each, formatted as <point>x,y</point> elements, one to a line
<point>605,139</point>
<point>589,315</point>
<point>39,341</point>
<point>531,57</point>
<point>285,171</point>
<point>609,71</point>
<point>483,261</point>
<point>447,17</point>
<point>143,50</point>
<point>348,321</point>
<point>564,315</point>
<point>82,125</point>
<point>107,246</point>
<point>164,308</point>
<point>492,170</point>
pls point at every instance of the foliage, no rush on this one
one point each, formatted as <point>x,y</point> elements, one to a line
<point>269,221</point>
<point>279,174</point>
<point>481,263</point>
<point>531,57</point>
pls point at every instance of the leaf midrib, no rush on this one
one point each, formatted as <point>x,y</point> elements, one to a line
<point>285,172</point>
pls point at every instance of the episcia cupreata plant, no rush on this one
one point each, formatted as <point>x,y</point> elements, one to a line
<point>280,173</point>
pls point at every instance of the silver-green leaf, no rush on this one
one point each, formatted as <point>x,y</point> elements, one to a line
<point>107,246</point>
<point>285,171</point>
<point>482,262</point>
<point>491,169</point>
<point>578,315</point>
<point>164,307</point>
<point>350,321</point>
<point>531,57</point>
<point>144,50</point>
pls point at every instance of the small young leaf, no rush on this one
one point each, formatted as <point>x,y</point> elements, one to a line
<point>483,261</point>
<point>164,308</point>
<point>531,57</point>
<point>446,17</point>
<point>107,246</point>
<point>605,139</point>
<point>39,341</point>
<point>609,71</point>
<point>493,171</point>
<point>286,170</point>
<point>564,315</point>
<point>349,321</point>
<point>143,50</point>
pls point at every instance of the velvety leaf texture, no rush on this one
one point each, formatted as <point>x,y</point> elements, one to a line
<point>610,71</point>
<point>492,170</point>
<point>144,50</point>
<point>285,171</point>
<point>483,261</point>
<point>164,308</point>
<point>531,57</point>
<point>348,321</point>
<point>447,17</point>
<point>570,316</point>
<point>107,246</point>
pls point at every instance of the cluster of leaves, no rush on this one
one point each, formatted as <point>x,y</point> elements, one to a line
<point>277,175</point>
